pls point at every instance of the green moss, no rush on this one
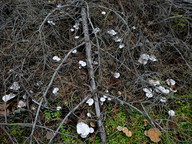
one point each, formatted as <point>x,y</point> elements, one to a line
<point>132,120</point>
<point>52,114</point>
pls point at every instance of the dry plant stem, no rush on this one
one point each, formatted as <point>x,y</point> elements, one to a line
<point>147,115</point>
<point>91,74</point>
<point>66,117</point>
<point>56,71</point>
<point>36,117</point>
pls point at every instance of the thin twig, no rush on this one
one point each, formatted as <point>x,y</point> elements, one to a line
<point>36,117</point>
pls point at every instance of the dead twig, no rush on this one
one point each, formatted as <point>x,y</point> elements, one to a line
<point>91,74</point>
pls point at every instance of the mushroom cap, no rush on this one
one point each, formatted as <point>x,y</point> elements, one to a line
<point>153,134</point>
<point>83,129</point>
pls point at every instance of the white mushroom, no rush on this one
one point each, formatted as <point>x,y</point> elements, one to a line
<point>82,63</point>
<point>89,114</point>
<point>112,32</point>
<point>148,92</point>
<point>154,82</point>
<point>143,59</point>
<point>56,58</point>
<point>161,89</point>
<point>171,113</point>
<point>121,46</point>
<point>152,58</point>
<point>116,75</point>
<point>83,129</point>
<point>90,101</point>
<point>163,99</point>
<point>15,86</point>
<point>117,39</point>
<point>55,91</point>
<point>103,13</point>
<point>170,82</point>
<point>58,108</point>
<point>6,98</point>
<point>102,99</point>
<point>74,51</point>
<point>21,104</point>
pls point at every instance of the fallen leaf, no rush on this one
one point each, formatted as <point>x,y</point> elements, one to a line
<point>153,134</point>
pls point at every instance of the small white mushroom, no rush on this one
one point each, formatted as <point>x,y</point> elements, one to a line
<point>59,6</point>
<point>103,13</point>
<point>72,29</point>
<point>15,86</point>
<point>55,91</point>
<point>90,101</point>
<point>133,27</point>
<point>76,26</point>
<point>82,63</point>
<point>121,46</point>
<point>152,58</point>
<point>102,99</point>
<point>148,92</point>
<point>76,37</point>
<point>83,129</point>
<point>108,98</point>
<point>163,99</point>
<point>171,113</point>
<point>58,108</point>
<point>89,114</point>
<point>143,59</point>
<point>6,98</point>
<point>112,32</point>
<point>56,58</point>
<point>74,51</point>
<point>116,75</point>
<point>161,89</point>
<point>118,39</point>
<point>91,130</point>
<point>154,82</point>
<point>21,104</point>
<point>170,82</point>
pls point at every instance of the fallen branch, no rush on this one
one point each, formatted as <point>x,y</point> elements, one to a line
<point>91,74</point>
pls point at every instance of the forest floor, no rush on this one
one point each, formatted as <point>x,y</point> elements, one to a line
<point>128,79</point>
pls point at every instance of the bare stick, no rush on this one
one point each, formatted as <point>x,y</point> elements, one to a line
<point>37,114</point>
<point>66,117</point>
<point>91,74</point>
